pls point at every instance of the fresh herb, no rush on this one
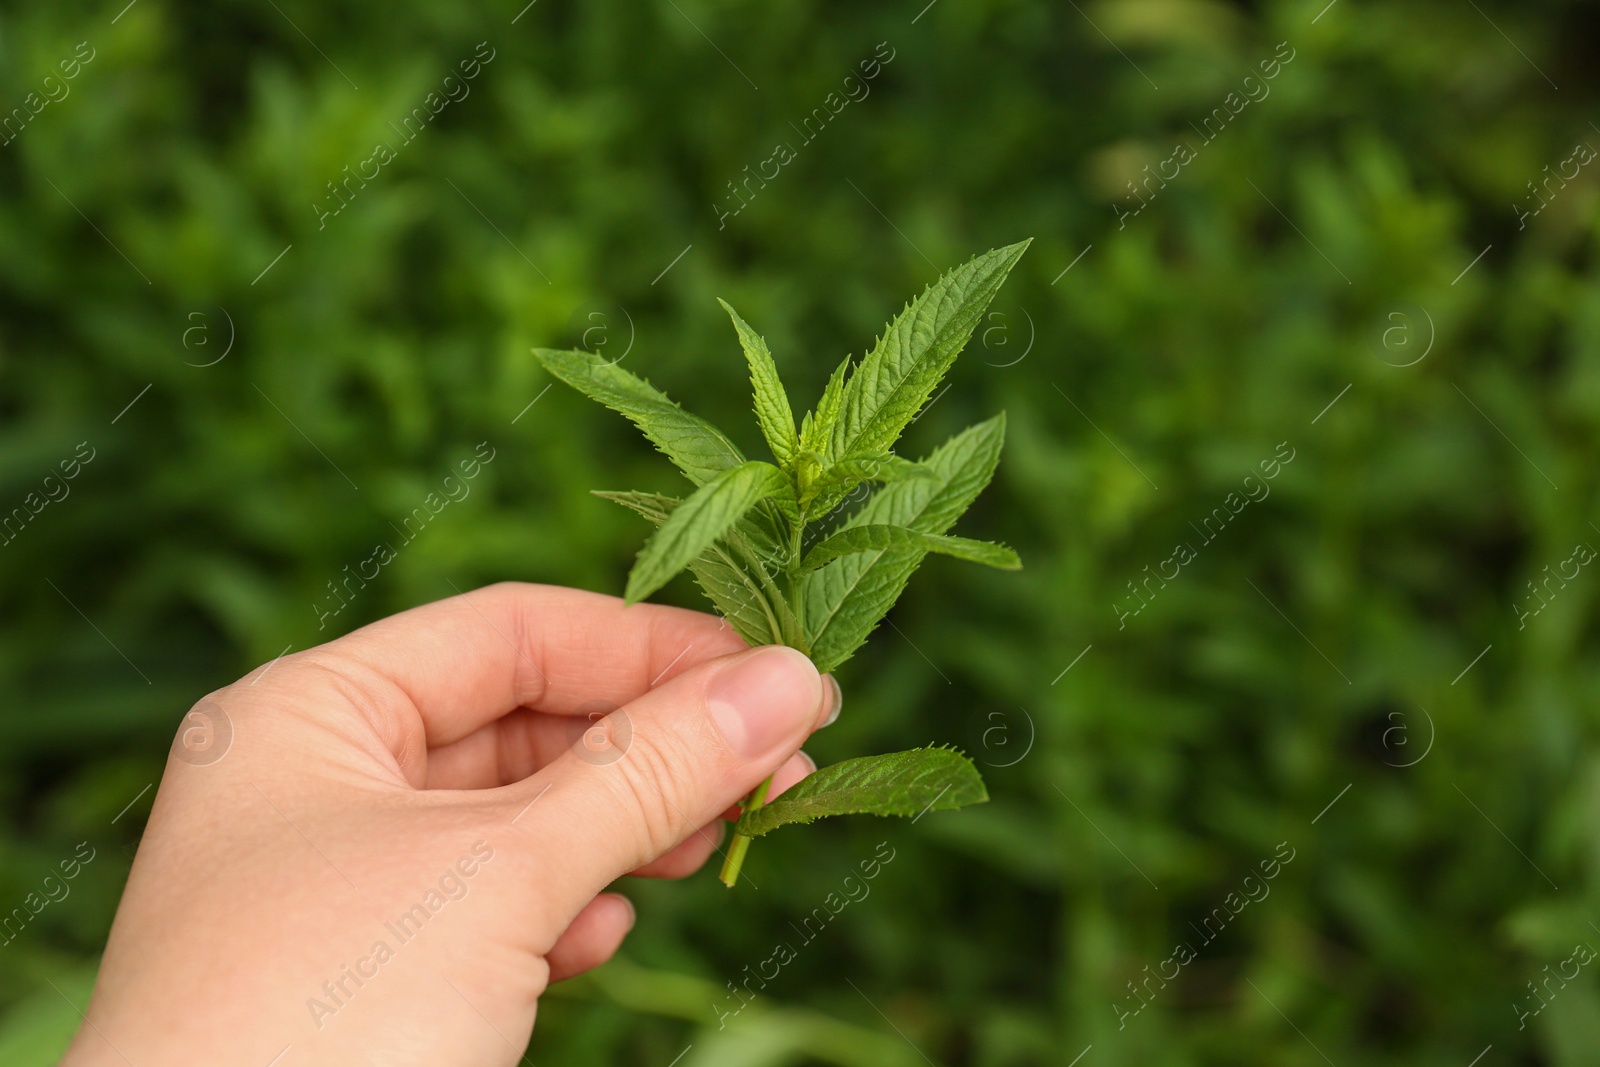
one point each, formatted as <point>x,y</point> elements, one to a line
<point>742,531</point>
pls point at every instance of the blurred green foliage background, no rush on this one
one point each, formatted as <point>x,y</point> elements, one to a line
<point>1361,213</point>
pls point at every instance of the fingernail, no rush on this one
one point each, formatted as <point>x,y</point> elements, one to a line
<point>809,761</point>
<point>763,697</point>
<point>835,700</point>
<point>633,913</point>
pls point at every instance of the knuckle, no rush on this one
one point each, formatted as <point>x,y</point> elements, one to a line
<point>653,784</point>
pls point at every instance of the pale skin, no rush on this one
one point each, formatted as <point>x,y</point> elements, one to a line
<point>370,772</point>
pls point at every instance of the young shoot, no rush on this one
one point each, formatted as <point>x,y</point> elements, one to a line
<point>742,530</point>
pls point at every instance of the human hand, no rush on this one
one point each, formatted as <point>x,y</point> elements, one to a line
<point>403,846</point>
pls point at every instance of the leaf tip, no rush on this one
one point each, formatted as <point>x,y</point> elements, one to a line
<point>739,325</point>
<point>1014,252</point>
<point>637,587</point>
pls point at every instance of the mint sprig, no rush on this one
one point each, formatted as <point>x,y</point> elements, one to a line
<point>742,531</point>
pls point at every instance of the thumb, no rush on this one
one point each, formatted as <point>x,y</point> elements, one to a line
<point>678,756</point>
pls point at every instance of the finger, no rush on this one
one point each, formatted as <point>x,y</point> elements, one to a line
<point>835,701</point>
<point>795,768</point>
<point>688,857</point>
<point>696,744</point>
<point>520,742</point>
<point>592,938</point>
<point>504,751</point>
<point>468,660</point>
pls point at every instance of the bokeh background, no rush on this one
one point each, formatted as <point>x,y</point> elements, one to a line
<point>1352,671</point>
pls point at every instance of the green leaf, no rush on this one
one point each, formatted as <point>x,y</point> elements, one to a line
<point>771,402</point>
<point>652,506</point>
<point>753,606</point>
<point>732,575</point>
<point>880,536</point>
<point>829,488</point>
<point>899,783</point>
<point>896,378</point>
<point>846,599</point>
<point>708,514</point>
<point>699,449</point>
<point>817,428</point>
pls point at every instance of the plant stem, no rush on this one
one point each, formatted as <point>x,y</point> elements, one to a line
<point>734,861</point>
<point>797,600</point>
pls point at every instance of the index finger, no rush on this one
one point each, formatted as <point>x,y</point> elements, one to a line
<point>467,660</point>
